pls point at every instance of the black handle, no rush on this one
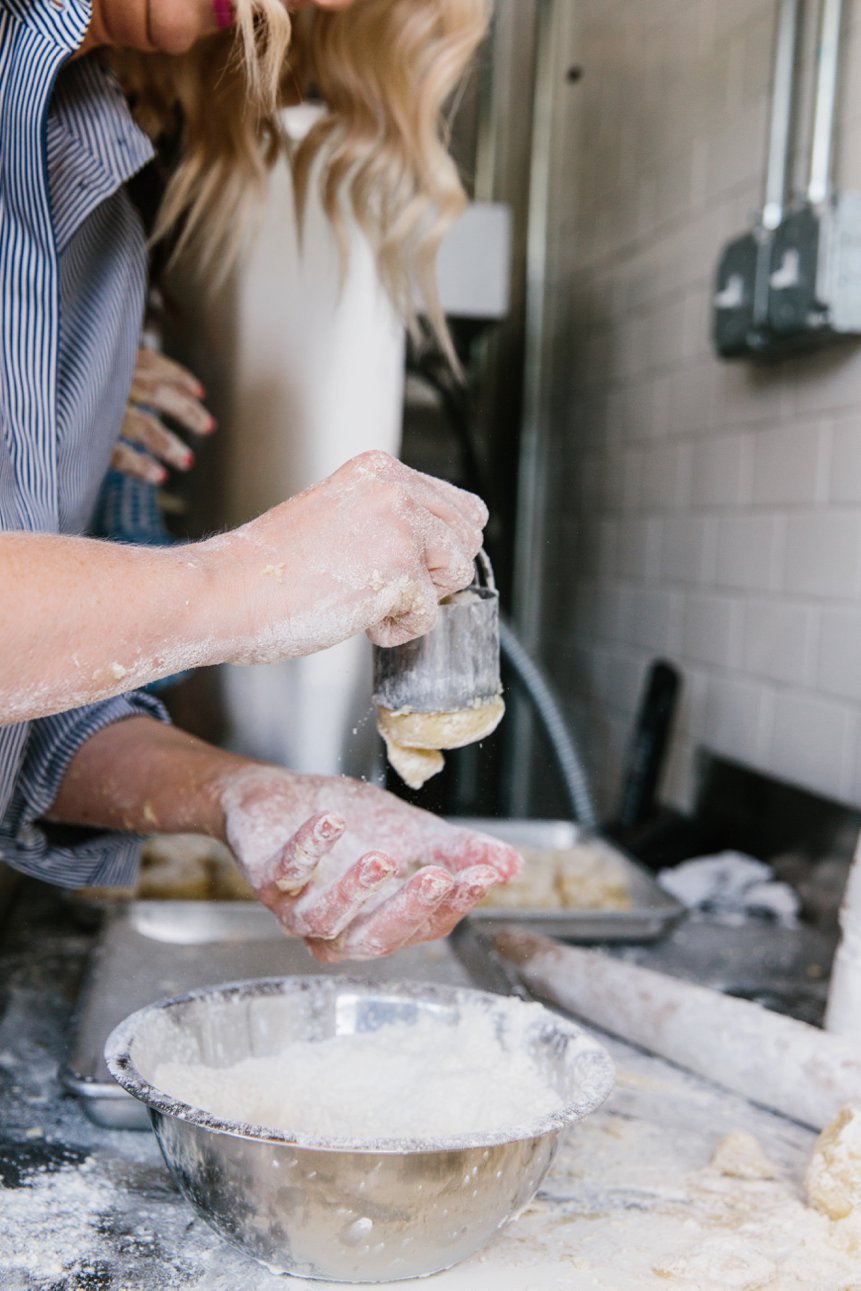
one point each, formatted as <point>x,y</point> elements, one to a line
<point>648,746</point>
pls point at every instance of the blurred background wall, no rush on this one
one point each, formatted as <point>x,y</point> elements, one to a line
<point>708,512</point>
<point>649,500</point>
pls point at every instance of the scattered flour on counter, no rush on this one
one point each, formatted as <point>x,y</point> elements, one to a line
<point>753,1231</point>
<point>51,1225</point>
<point>424,1081</point>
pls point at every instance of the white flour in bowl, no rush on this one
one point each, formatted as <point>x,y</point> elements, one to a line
<point>425,1081</point>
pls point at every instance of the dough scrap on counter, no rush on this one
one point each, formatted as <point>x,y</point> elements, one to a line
<point>740,1156</point>
<point>414,739</point>
<point>743,1230</point>
<point>833,1177</point>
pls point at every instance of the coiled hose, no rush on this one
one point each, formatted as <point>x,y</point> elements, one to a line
<point>549,713</point>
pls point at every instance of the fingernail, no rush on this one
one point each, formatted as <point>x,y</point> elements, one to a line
<point>210,426</point>
<point>374,870</point>
<point>290,886</point>
<point>433,888</point>
<point>159,476</point>
<point>188,461</point>
<point>329,827</point>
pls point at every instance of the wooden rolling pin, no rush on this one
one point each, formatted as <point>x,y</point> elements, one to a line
<point>785,1065</point>
<point>844,996</point>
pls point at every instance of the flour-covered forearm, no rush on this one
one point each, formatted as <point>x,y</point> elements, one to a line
<point>373,549</point>
<point>85,620</point>
<point>355,871</point>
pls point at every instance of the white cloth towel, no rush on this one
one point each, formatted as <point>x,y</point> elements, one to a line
<point>732,885</point>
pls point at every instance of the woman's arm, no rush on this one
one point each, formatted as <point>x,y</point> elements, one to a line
<point>354,870</point>
<point>83,620</point>
<point>373,548</point>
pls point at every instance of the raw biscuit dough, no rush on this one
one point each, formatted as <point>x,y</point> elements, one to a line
<point>534,888</point>
<point>414,739</point>
<point>590,878</point>
<point>740,1156</point>
<point>833,1178</point>
<point>190,867</point>
<point>414,766</point>
<point>586,876</point>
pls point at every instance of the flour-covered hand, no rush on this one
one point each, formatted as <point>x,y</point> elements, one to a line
<point>160,388</point>
<point>170,390</point>
<point>373,548</point>
<point>352,869</point>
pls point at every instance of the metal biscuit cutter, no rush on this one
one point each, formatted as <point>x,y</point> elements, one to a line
<point>453,667</point>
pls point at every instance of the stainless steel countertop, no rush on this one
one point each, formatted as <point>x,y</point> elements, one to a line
<point>93,1209</point>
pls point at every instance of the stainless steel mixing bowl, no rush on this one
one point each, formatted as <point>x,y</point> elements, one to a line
<point>364,1213</point>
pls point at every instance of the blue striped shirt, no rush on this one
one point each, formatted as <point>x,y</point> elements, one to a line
<point>72,283</point>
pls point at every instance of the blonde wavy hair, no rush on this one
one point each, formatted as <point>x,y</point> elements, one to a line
<point>385,70</point>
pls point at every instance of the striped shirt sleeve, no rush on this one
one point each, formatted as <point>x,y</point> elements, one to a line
<point>69,858</point>
<point>71,254</point>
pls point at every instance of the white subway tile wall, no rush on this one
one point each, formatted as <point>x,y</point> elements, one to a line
<point>706,512</point>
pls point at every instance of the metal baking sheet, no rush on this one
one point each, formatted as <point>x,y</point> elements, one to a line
<point>150,949</point>
<point>652,913</point>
